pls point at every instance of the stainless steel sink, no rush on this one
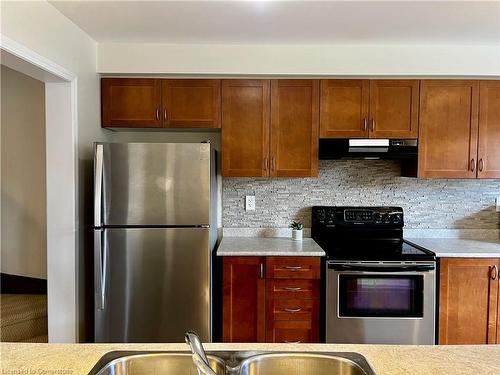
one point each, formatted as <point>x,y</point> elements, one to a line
<point>300,364</point>
<point>233,363</point>
<point>159,363</point>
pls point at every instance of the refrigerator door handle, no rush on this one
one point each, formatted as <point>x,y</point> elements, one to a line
<point>100,244</point>
<point>98,170</point>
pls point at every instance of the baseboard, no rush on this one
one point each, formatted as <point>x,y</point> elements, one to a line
<point>15,284</point>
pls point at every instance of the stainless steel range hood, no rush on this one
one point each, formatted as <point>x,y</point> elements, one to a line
<point>395,149</point>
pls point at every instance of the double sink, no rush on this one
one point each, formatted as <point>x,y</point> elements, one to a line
<point>234,363</point>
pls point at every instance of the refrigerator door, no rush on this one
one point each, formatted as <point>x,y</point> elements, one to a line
<point>153,285</point>
<point>155,184</point>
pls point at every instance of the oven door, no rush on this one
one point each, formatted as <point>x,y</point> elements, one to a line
<point>380,302</point>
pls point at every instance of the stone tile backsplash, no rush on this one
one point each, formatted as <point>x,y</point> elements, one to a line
<point>453,204</point>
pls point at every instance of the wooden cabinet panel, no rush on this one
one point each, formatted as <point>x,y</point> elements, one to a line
<point>448,128</point>
<point>191,103</point>
<point>292,289</point>
<point>244,300</point>
<point>303,331</point>
<point>292,267</point>
<point>131,102</point>
<point>468,301</point>
<point>294,128</point>
<point>344,108</point>
<point>292,309</point>
<point>245,130</point>
<point>394,108</point>
<point>489,130</point>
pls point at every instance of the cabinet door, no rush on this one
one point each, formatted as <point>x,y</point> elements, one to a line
<point>294,128</point>
<point>131,102</point>
<point>468,301</point>
<point>344,108</point>
<point>245,127</point>
<point>448,129</point>
<point>394,108</point>
<point>191,103</point>
<point>489,130</point>
<point>244,299</point>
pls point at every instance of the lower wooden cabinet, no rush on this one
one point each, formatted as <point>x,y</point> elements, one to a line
<point>468,303</point>
<point>271,299</point>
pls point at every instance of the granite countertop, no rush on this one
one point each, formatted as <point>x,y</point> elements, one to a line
<point>258,246</point>
<point>460,248</point>
<point>79,359</point>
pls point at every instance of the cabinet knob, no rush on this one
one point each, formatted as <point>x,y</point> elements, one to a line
<point>365,124</point>
<point>472,165</point>
<point>373,124</point>
<point>480,165</point>
<point>157,113</point>
<point>261,271</point>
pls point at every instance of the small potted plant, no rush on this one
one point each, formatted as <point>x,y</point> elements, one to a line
<point>297,227</point>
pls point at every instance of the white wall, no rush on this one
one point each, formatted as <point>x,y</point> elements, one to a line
<point>40,27</point>
<point>23,206</point>
<point>341,60</point>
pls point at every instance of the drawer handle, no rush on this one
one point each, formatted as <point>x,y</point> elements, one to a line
<point>292,342</point>
<point>298,309</point>
<point>292,289</point>
<point>293,267</point>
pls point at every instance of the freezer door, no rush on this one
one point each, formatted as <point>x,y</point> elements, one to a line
<point>153,286</point>
<point>155,184</point>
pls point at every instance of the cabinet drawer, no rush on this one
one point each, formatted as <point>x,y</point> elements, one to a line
<point>293,267</point>
<point>292,332</point>
<point>292,289</point>
<point>292,309</point>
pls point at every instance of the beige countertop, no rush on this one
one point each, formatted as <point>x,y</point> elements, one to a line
<point>385,359</point>
<point>460,248</point>
<point>258,246</point>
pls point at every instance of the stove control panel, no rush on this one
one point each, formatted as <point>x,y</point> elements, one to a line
<point>347,216</point>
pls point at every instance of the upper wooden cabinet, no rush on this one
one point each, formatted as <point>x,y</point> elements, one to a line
<point>191,103</point>
<point>369,109</point>
<point>270,129</point>
<point>246,106</point>
<point>155,103</point>
<point>394,109</point>
<point>294,128</point>
<point>489,130</point>
<point>344,108</point>
<point>131,103</point>
<point>468,301</point>
<point>448,128</point>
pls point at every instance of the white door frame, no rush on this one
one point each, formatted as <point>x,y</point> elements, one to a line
<point>61,121</point>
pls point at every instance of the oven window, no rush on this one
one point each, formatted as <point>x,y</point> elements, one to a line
<point>381,295</point>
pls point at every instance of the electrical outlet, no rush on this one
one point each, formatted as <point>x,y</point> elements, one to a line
<point>498,204</point>
<point>250,203</point>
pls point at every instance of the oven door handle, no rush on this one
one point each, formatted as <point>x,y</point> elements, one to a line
<point>370,268</point>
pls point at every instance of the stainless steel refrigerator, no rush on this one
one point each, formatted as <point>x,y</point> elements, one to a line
<point>155,226</point>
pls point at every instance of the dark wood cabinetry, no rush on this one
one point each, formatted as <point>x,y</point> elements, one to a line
<point>270,128</point>
<point>294,128</point>
<point>244,305</point>
<point>468,304</point>
<point>191,103</point>
<point>246,106</point>
<point>489,130</point>
<point>131,103</point>
<point>448,128</point>
<point>369,109</point>
<point>273,299</point>
<point>156,103</point>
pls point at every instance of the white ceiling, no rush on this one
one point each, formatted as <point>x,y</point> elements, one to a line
<point>297,22</point>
